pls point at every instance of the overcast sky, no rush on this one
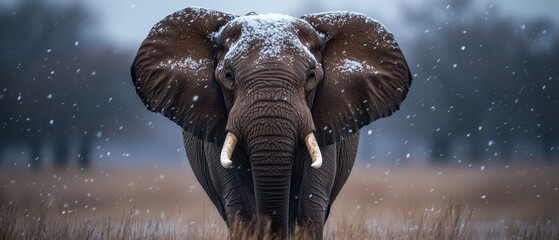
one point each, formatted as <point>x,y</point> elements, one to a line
<point>126,22</point>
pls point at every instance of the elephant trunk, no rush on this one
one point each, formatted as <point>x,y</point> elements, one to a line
<point>270,132</point>
<point>271,173</point>
<point>271,158</point>
<point>270,121</point>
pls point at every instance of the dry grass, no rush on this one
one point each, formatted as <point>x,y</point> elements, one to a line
<point>452,222</point>
<point>385,203</point>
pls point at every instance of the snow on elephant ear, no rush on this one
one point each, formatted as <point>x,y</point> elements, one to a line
<point>195,66</point>
<point>355,65</point>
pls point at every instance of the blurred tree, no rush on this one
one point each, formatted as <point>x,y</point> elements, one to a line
<point>61,90</point>
<point>485,76</point>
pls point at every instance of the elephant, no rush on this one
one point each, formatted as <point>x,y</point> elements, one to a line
<point>270,105</point>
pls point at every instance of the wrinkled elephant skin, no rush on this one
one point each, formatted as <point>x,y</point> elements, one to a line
<point>262,97</point>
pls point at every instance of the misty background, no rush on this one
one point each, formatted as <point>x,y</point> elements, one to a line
<point>485,89</point>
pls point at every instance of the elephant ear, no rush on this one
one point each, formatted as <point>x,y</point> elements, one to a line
<point>173,71</point>
<point>366,76</point>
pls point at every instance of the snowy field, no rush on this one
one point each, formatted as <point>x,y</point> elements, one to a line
<point>379,201</point>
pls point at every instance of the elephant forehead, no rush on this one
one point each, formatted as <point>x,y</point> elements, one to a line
<point>271,36</point>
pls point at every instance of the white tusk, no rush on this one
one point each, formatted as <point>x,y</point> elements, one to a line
<point>227,150</point>
<point>314,151</point>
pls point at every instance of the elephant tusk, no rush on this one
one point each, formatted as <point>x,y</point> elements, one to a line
<point>314,151</point>
<point>227,150</point>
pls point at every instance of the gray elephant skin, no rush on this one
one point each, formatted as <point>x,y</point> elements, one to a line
<point>261,97</point>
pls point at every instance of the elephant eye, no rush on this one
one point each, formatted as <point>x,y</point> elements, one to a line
<point>311,75</point>
<point>230,75</point>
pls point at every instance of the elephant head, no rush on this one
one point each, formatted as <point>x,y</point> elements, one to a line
<point>271,84</point>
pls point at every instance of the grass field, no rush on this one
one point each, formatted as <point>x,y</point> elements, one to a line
<point>378,202</point>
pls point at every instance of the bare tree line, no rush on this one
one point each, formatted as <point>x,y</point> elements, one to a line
<point>61,91</point>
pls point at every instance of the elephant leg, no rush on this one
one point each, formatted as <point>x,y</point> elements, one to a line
<point>320,187</point>
<point>195,152</point>
<point>234,186</point>
<point>347,151</point>
<point>228,189</point>
<point>315,191</point>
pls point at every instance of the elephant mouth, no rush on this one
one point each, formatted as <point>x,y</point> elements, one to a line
<point>231,141</point>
